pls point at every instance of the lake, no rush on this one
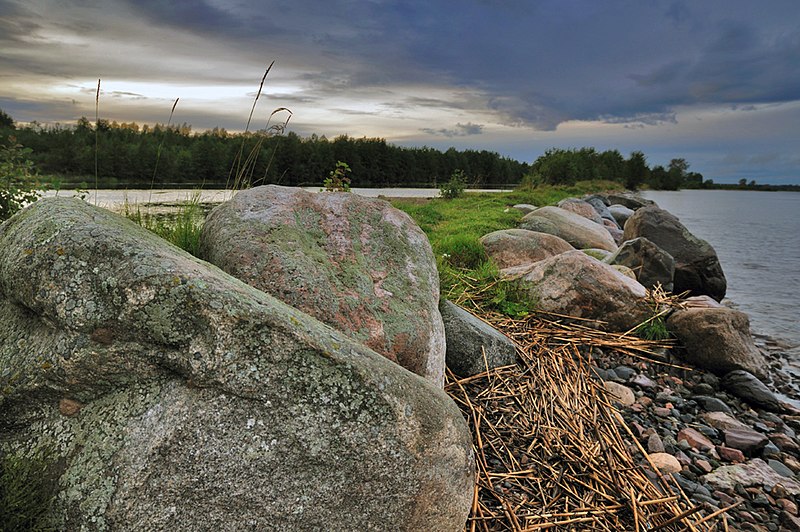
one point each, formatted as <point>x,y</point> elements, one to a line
<point>757,238</point>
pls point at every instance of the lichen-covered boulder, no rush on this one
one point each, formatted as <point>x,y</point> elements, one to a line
<point>171,396</point>
<point>473,346</point>
<point>575,284</point>
<point>717,339</point>
<point>509,248</point>
<point>582,208</point>
<point>697,268</point>
<point>573,228</point>
<point>355,263</point>
<point>651,264</point>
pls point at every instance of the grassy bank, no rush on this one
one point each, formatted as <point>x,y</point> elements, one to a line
<point>455,226</point>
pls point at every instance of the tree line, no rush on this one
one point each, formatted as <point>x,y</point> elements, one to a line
<point>129,154</point>
<point>133,155</point>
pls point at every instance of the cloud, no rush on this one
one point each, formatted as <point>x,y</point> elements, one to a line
<point>460,130</point>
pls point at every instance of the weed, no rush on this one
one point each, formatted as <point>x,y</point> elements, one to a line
<point>653,329</point>
<point>183,229</point>
<point>338,179</point>
<point>19,184</point>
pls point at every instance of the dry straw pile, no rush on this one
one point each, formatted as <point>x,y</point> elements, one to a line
<point>552,452</point>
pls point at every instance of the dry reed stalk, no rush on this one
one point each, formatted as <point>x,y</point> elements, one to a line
<point>551,450</point>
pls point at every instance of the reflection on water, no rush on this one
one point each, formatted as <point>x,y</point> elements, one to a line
<point>757,238</point>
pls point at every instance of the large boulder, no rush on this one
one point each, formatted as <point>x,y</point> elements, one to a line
<point>582,208</point>
<point>514,247</point>
<point>651,264</point>
<point>621,213</point>
<point>473,346</point>
<point>629,200</point>
<point>573,228</point>
<point>167,395</point>
<point>600,204</point>
<point>575,284</point>
<point>717,339</point>
<point>697,268</point>
<point>357,264</point>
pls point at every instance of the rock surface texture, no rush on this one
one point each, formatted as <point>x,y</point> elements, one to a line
<point>575,284</point>
<point>357,264</point>
<point>717,339</point>
<point>697,268</point>
<point>469,338</point>
<point>651,264</point>
<point>509,248</point>
<point>573,228</point>
<point>176,397</point>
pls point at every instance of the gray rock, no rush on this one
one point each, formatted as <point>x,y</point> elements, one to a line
<point>357,264</point>
<point>577,285</point>
<point>616,233</point>
<point>509,248</point>
<point>632,201</point>
<point>780,468</point>
<point>621,213</point>
<point>651,264</point>
<point>469,338</point>
<point>573,228</point>
<point>624,372</point>
<point>600,205</point>
<point>525,208</point>
<point>716,339</point>
<point>745,439</point>
<point>697,268</point>
<point>747,386</point>
<point>712,404</point>
<point>201,403</point>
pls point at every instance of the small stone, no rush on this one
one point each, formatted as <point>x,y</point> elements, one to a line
<point>787,506</point>
<point>711,404</point>
<point>666,463</point>
<point>746,440</point>
<point>780,468</point>
<point>654,444</point>
<point>69,407</point>
<point>681,457</point>
<point>771,450</point>
<point>792,463</point>
<point>695,439</point>
<point>624,372</point>
<point>721,421</point>
<point>730,455</point>
<point>789,521</point>
<point>703,389</point>
<point>645,401</point>
<point>643,381</point>
<point>620,393</point>
<point>662,411</point>
<point>784,442</point>
<point>704,466</point>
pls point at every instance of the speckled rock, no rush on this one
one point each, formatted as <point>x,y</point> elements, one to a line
<point>573,228</point>
<point>620,393</point>
<point>697,268</point>
<point>200,403</point>
<point>581,208</point>
<point>621,213</point>
<point>357,264</point>
<point>510,248</point>
<point>717,339</point>
<point>575,284</point>
<point>666,463</point>
<point>756,472</point>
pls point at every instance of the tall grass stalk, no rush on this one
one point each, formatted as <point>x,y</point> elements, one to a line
<point>96,139</point>
<point>158,151</point>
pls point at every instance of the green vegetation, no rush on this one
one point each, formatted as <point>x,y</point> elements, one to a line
<point>455,226</point>
<point>182,229</point>
<point>19,184</point>
<point>455,186</point>
<point>27,491</point>
<point>338,179</point>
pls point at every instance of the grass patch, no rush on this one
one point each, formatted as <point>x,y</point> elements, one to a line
<point>455,226</point>
<point>27,491</point>
<point>182,229</point>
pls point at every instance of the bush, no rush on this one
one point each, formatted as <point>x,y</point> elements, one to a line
<point>19,184</point>
<point>338,180</point>
<point>455,186</point>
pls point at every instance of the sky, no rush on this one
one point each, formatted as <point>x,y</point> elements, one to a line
<point>716,82</point>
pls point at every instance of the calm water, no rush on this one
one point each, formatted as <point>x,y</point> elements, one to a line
<point>757,238</point>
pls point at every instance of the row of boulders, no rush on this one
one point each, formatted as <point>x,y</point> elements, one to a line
<point>567,261</point>
<point>170,395</point>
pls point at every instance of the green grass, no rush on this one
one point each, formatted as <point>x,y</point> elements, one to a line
<point>182,229</point>
<point>455,226</point>
<point>27,491</point>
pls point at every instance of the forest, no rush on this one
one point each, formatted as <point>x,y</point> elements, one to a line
<point>129,155</point>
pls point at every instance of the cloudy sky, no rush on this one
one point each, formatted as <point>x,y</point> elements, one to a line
<point>714,81</point>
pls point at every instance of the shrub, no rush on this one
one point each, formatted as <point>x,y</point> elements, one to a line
<point>19,184</point>
<point>455,186</point>
<point>338,180</point>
